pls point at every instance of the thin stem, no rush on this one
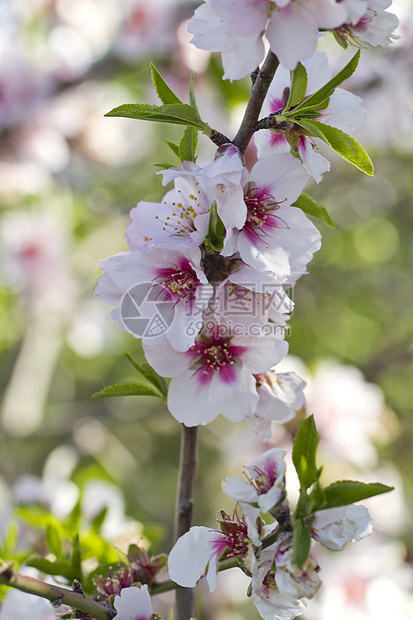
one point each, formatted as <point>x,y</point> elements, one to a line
<point>257,95</point>
<point>56,595</point>
<point>185,597</point>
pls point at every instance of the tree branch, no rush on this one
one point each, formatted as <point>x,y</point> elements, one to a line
<point>185,597</point>
<point>56,595</point>
<point>257,95</point>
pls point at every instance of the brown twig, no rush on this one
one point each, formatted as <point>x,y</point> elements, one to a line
<point>185,597</point>
<point>257,95</point>
<point>56,594</point>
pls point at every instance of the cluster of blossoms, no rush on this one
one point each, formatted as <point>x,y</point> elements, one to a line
<point>226,309</point>
<point>279,588</point>
<point>291,27</point>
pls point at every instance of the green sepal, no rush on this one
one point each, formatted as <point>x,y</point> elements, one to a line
<point>304,453</point>
<point>346,492</point>
<point>317,98</point>
<point>130,388</point>
<point>150,374</point>
<point>348,148</point>
<point>298,86</point>
<point>173,113</point>
<point>301,543</point>
<point>307,204</point>
<point>216,230</point>
<point>164,92</point>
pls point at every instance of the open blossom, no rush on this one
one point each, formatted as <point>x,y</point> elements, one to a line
<point>281,396</point>
<point>344,112</point>
<point>133,603</point>
<point>368,22</point>
<point>276,239</point>
<point>236,30</point>
<point>198,551</point>
<point>264,484</point>
<point>180,219</point>
<point>223,180</point>
<point>216,375</point>
<point>280,589</point>
<point>171,279</point>
<point>336,526</point>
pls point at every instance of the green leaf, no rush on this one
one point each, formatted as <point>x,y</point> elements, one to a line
<point>345,492</point>
<point>301,543</point>
<point>304,453</point>
<point>63,569</point>
<point>317,98</point>
<point>192,100</point>
<point>348,148</point>
<point>298,86</point>
<point>307,204</point>
<point>164,92</point>
<point>131,388</point>
<point>98,520</point>
<point>173,113</point>
<point>216,230</point>
<point>187,146</point>
<point>150,374</point>
<point>173,146</point>
<point>54,539</point>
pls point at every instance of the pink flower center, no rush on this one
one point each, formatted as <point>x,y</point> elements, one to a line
<point>264,477</point>
<point>176,284</point>
<point>261,219</point>
<point>214,354</point>
<point>233,539</point>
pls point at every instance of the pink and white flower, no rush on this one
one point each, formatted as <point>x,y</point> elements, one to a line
<point>264,484</point>
<point>344,112</point>
<point>281,396</point>
<point>374,25</point>
<point>280,589</point>
<point>198,552</point>
<point>176,286</point>
<point>223,179</point>
<point>133,603</point>
<point>336,526</point>
<point>235,31</point>
<point>180,219</point>
<point>216,375</point>
<point>277,239</point>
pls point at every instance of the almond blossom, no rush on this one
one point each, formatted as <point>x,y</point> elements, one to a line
<point>344,112</point>
<point>133,603</point>
<point>336,526</point>
<point>281,396</point>
<point>264,484</point>
<point>170,279</point>
<point>216,375</point>
<point>280,589</point>
<point>373,25</point>
<point>199,550</point>
<point>276,239</point>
